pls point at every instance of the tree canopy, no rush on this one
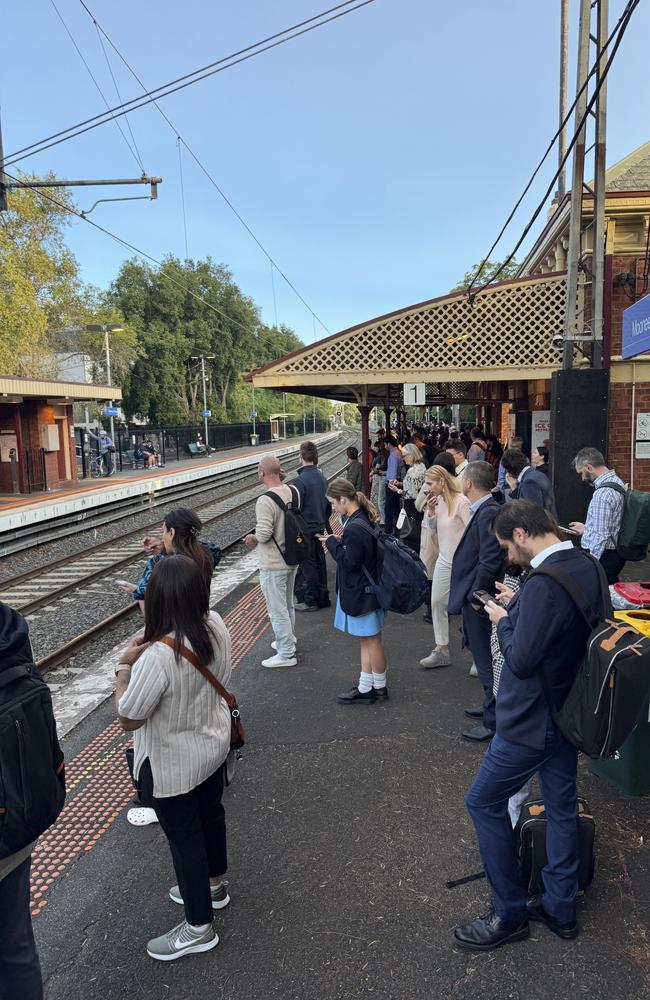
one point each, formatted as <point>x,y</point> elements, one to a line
<point>487,274</point>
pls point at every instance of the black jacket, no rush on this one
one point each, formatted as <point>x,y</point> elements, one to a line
<point>312,487</point>
<point>356,549</point>
<point>544,631</point>
<point>537,487</point>
<point>478,560</point>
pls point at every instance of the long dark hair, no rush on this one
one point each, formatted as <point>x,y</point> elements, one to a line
<point>187,524</point>
<point>178,601</point>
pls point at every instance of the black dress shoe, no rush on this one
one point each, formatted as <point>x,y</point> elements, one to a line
<point>536,911</point>
<point>426,617</point>
<point>355,697</point>
<point>381,692</point>
<point>474,713</point>
<point>479,734</point>
<point>488,932</point>
<point>301,606</point>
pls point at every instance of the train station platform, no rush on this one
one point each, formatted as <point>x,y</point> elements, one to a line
<point>344,824</point>
<point>19,511</point>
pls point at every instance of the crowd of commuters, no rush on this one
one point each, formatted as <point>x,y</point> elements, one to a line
<point>482,519</point>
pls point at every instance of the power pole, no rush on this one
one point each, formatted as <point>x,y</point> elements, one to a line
<point>313,416</point>
<point>578,175</point>
<point>107,348</point>
<point>576,329</point>
<point>564,67</point>
<point>3,187</point>
<point>205,404</point>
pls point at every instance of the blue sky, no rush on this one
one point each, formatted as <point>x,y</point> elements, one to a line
<point>375,158</point>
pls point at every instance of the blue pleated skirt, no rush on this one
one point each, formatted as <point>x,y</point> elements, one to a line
<point>361,625</point>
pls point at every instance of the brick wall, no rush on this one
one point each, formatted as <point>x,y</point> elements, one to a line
<point>621,432</point>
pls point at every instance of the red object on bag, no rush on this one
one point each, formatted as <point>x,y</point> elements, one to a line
<point>636,593</point>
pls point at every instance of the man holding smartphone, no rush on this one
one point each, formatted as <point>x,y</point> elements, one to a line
<point>477,564</point>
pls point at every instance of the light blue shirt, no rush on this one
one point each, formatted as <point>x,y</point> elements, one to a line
<point>393,464</point>
<point>473,507</point>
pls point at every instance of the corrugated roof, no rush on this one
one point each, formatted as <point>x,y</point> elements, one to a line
<point>12,385</point>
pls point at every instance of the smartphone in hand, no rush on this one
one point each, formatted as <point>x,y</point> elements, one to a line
<point>483,597</point>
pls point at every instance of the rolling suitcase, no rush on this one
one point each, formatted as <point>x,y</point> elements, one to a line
<point>635,593</point>
<point>530,833</point>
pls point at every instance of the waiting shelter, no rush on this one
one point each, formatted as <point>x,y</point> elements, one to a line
<point>499,351</point>
<point>37,440</point>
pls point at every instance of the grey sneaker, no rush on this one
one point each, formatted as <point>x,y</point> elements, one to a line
<point>436,658</point>
<point>219,893</point>
<point>181,940</point>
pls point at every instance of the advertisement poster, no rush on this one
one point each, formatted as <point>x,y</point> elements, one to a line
<point>540,428</point>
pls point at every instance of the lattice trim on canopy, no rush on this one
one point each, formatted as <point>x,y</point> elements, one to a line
<point>509,326</point>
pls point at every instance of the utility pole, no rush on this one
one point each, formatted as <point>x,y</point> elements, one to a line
<point>284,415</point>
<point>598,252</point>
<point>304,425</point>
<point>254,414</point>
<point>564,67</point>
<point>575,221</point>
<point>107,348</point>
<point>3,187</point>
<point>313,416</point>
<point>205,404</point>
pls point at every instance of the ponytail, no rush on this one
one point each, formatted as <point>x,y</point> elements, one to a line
<point>366,506</point>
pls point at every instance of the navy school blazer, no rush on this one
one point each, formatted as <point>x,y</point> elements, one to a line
<point>354,550</point>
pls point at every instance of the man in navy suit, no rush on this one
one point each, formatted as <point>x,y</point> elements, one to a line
<point>477,564</point>
<point>542,634</point>
<point>527,483</point>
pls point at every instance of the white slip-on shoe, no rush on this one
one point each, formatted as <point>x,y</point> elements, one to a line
<point>141,816</point>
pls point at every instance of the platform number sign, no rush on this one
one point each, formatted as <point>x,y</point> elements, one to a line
<point>415,393</point>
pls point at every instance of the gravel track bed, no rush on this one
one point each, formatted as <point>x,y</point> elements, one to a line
<point>21,562</point>
<point>53,625</point>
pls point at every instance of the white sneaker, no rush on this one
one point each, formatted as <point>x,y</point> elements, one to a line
<point>274,644</point>
<point>280,661</point>
<point>473,672</point>
<point>141,816</point>
<point>181,940</point>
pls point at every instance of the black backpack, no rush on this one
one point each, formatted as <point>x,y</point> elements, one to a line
<point>32,779</point>
<point>402,584</point>
<point>297,540</point>
<point>609,695</point>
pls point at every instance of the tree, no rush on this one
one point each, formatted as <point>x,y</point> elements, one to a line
<point>491,267</point>
<point>40,290</point>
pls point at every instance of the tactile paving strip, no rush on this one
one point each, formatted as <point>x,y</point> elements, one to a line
<point>99,778</point>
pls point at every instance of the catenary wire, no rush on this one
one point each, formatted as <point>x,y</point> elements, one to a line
<point>119,97</point>
<point>180,171</point>
<point>620,27</point>
<point>204,169</point>
<point>131,149</point>
<point>625,20</point>
<point>227,62</point>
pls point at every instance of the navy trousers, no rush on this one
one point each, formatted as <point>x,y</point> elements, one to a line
<point>20,970</point>
<point>505,768</point>
<point>478,630</point>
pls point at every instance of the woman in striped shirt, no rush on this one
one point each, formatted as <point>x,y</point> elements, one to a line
<point>182,738</point>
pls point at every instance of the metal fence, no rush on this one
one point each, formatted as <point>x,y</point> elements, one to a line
<point>173,442</point>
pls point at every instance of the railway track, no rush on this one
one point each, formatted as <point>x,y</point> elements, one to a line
<point>34,589</point>
<point>231,553</point>
<point>30,536</point>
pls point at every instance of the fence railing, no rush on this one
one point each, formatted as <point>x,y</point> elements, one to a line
<point>173,442</point>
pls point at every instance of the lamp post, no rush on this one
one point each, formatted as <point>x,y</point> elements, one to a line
<point>106,329</point>
<point>304,424</point>
<point>202,358</point>
<point>284,414</point>
<point>313,417</point>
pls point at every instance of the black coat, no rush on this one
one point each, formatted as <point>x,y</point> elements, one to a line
<point>356,549</point>
<point>478,560</point>
<point>312,487</point>
<point>537,487</point>
<point>543,633</point>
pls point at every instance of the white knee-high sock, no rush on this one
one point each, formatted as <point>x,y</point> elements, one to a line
<point>365,682</point>
<point>379,680</point>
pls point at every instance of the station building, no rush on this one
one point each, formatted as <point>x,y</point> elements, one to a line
<point>498,353</point>
<point>37,439</point>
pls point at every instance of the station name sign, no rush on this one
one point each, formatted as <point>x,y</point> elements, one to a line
<point>636,328</point>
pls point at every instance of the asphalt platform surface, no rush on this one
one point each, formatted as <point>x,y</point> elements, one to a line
<point>344,824</point>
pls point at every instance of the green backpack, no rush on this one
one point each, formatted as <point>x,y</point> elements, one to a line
<point>634,533</point>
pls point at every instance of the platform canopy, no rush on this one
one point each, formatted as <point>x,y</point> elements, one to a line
<point>449,343</point>
<point>14,389</point>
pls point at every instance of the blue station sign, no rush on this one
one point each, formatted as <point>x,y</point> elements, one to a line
<point>636,328</point>
<point>206,413</point>
<point>111,411</point>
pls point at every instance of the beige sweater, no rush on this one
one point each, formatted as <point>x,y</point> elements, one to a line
<point>269,524</point>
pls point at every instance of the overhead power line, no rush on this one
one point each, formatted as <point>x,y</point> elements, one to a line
<point>211,179</point>
<point>219,66</point>
<point>133,149</point>
<point>617,34</point>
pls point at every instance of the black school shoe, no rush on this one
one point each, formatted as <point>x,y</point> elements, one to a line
<point>489,932</point>
<point>381,692</point>
<point>536,911</point>
<point>355,697</point>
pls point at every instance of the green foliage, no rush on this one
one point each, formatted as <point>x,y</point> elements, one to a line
<point>40,290</point>
<point>490,269</point>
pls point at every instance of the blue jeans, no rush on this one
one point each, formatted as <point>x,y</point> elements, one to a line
<point>505,768</point>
